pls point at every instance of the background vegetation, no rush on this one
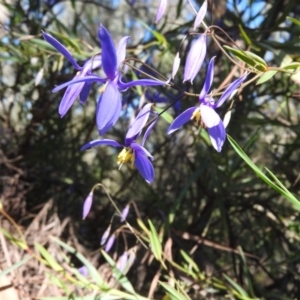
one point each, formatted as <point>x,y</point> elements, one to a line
<point>242,235</point>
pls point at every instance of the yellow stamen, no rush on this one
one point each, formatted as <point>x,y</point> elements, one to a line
<point>196,116</point>
<point>103,87</point>
<point>126,155</point>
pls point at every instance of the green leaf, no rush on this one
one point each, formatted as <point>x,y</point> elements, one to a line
<point>159,37</point>
<point>168,118</point>
<point>49,258</point>
<point>292,66</point>
<point>120,277</point>
<point>246,272</point>
<point>143,226</point>
<point>93,272</point>
<point>277,187</point>
<point>13,240</point>
<point>237,287</point>
<point>293,20</point>
<point>189,260</point>
<point>154,242</point>
<point>59,283</point>
<point>15,266</point>
<point>249,58</point>
<point>265,77</point>
<point>244,35</point>
<point>172,293</point>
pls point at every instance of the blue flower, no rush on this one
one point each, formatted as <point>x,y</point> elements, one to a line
<point>133,152</point>
<point>80,89</point>
<point>110,104</point>
<point>205,114</point>
<point>195,58</point>
<point>161,10</point>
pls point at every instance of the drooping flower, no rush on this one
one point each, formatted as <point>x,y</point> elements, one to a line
<point>133,152</point>
<point>124,213</point>
<point>122,262</point>
<point>80,89</point>
<point>87,205</point>
<point>105,236</point>
<point>109,243</point>
<point>161,10</point>
<point>201,14</point>
<point>195,58</point>
<point>205,114</point>
<point>176,65</point>
<point>109,104</point>
<point>83,271</point>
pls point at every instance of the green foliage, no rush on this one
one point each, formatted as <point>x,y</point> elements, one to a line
<point>203,207</point>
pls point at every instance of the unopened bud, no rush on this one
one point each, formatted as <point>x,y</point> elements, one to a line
<point>124,213</point>
<point>176,65</point>
<point>87,205</point>
<point>109,243</point>
<point>201,14</point>
<point>105,236</point>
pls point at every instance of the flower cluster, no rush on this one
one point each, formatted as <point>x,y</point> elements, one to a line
<point>109,104</point>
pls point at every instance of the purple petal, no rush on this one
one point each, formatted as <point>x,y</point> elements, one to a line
<point>122,262</point>
<point>105,142</point>
<point>143,82</point>
<point>195,58</point>
<point>69,98</point>
<point>208,80</point>
<point>144,166</point>
<point>176,65</point>
<point>105,236</point>
<point>121,50</point>
<point>181,120</point>
<point>109,58</point>
<point>124,213</point>
<point>109,243</point>
<point>217,136</point>
<point>161,10</point>
<point>141,150</point>
<point>85,92</point>
<point>138,124</point>
<point>215,126</point>
<point>201,14</point>
<point>83,271</point>
<point>108,107</point>
<point>87,205</point>
<point>147,132</point>
<point>62,49</point>
<point>95,62</point>
<point>234,85</point>
<point>85,79</point>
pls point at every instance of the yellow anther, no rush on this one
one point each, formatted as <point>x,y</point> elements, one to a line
<point>196,116</point>
<point>126,155</point>
<point>103,87</point>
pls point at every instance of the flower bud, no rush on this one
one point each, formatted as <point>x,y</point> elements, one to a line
<point>195,58</point>
<point>122,262</point>
<point>105,236</point>
<point>109,243</point>
<point>201,14</point>
<point>87,205</point>
<point>176,65</point>
<point>124,213</point>
<point>161,10</point>
<point>83,271</point>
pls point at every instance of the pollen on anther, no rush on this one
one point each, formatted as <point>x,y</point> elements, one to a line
<point>125,155</point>
<point>196,117</point>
